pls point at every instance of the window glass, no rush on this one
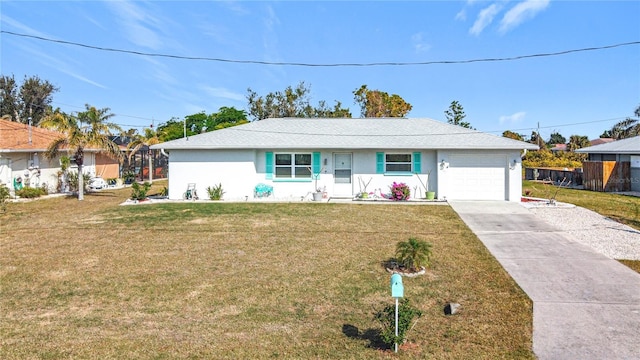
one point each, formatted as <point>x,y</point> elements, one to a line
<point>398,162</point>
<point>303,159</point>
<point>283,172</point>
<point>293,166</point>
<point>283,159</point>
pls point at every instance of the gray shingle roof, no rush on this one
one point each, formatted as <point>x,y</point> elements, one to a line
<point>378,133</point>
<point>624,146</point>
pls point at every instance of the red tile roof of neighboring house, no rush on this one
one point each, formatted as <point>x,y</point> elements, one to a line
<point>14,137</point>
<point>601,141</point>
<point>559,147</point>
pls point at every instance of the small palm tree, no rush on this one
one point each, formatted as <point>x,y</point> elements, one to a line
<point>413,253</point>
<point>139,141</point>
<point>88,130</point>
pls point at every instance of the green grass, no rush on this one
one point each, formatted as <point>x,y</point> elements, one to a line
<point>92,279</point>
<point>621,208</point>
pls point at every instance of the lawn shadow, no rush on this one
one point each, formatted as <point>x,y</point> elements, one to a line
<point>99,194</point>
<point>371,335</point>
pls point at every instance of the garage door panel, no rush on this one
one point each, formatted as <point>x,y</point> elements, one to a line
<point>477,177</point>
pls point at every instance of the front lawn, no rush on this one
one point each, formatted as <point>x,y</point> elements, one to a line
<point>96,280</point>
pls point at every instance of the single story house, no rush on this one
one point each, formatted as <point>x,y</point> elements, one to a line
<point>343,157</point>
<point>22,162</point>
<point>613,166</point>
<point>558,148</point>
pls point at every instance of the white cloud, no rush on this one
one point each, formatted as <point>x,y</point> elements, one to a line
<point>419,44</point>
<point>5,20</point>
<point>159,72</point>
<point>82,78</point>
<point>138,24</point>
<point>235,6</point>
<point>271,20</point>
<point>485,17</point>
<point>521,12</point>
<point>61,63</point>
<point>461,15</point>
<point>270,39</point>
<point>217,92</point>
<point>514,118</point>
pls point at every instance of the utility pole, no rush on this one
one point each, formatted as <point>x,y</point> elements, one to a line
<point>29,118</point>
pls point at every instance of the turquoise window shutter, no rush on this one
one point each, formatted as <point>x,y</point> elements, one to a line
<point>379,163</point>
<point>268,159</point>
<point>315,161</point>
<point>417,162</point>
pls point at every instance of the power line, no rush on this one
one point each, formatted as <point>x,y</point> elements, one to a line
<point>257,62</point>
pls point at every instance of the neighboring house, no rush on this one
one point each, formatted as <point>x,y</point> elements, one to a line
<point>347,154</point>
<point>613,165</point>
<point>600,141</point>
<point>558,148</point>
<point>22,162</point>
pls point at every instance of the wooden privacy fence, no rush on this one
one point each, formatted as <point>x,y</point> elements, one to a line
<point>606,175</point>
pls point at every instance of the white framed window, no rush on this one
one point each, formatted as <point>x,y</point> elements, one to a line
<point>292,165</point>
<point>397,162</point>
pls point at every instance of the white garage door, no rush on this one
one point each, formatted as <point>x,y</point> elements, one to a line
<point>477,177</point>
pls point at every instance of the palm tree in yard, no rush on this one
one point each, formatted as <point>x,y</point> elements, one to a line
<point>577,142</point>
<point>139,141</point>
<point>413,253</point>
<point>90,129</point>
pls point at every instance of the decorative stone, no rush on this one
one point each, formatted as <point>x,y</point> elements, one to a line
<point>402,272</point>
<point>451,308</point>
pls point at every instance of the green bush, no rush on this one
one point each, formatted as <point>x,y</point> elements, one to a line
<point>215,192</point>
<point>387,318</point>
<point>413,253</point>
<point>30,192</point>
<point>139,192</point>
<point>4,196</point>
<point>545,158</point>
<point>72,180</point>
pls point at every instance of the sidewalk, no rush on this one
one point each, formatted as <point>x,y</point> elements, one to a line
<point>585,305</point>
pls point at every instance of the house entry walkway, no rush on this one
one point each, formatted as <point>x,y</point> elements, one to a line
<point>585,305</point>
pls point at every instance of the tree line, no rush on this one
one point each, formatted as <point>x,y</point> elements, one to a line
<point>30,102</point>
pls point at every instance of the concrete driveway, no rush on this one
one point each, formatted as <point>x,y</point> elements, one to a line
<point>585,305</point>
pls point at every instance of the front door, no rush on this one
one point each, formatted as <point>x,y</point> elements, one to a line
<point>343,183</point>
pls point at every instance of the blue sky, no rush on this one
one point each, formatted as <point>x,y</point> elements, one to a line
<point>591,90</point>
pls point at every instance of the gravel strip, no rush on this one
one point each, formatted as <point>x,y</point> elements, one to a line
<point>610,238</point>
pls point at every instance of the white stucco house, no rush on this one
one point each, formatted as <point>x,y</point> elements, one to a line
<point>292,155</point>
<point>22,160</point>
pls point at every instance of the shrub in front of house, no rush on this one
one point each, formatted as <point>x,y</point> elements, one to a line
<point>399,191</point>
<point>138,191</point>
<point>4,196</point>
<point>72,180</point>
<point>215,192</point>
<point>30,192</point>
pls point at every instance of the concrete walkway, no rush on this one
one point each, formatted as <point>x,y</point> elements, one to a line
<point>585,305</point>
